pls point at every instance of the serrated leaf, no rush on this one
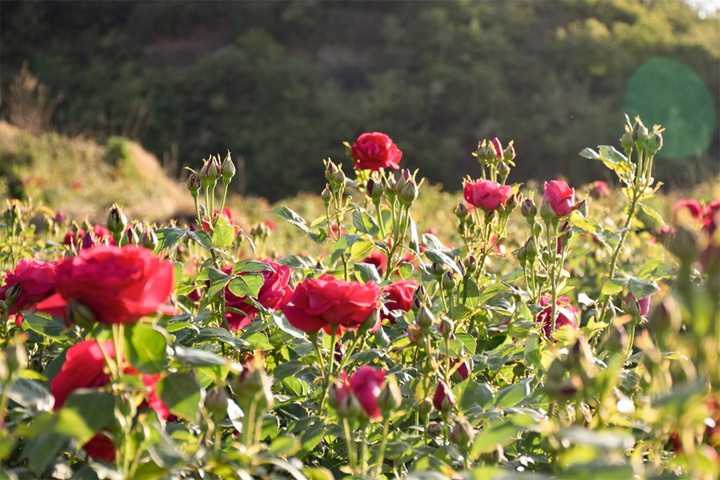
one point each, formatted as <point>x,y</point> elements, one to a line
<point>167,237</point>
<point>641,288</point>
<point>650,218</point>
<point>44,326</point>
<point>367,272</point>
<point>512,395</point>
<point>198,358</point>
<point>501,433</point>
<point>291,217</point>
<point>250,266</point>
<point>439,257</point>
<point>223,233</point>
<point>202,238</point>
<point>248,284</point>
<point>284,445</point>
<point>365,223</point>
<point>31,395</point>
<point>283,324</point>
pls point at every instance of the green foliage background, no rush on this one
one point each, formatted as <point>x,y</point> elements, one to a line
<point>279,82</point>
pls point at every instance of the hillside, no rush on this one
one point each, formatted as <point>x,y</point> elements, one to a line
<point>81,178</point>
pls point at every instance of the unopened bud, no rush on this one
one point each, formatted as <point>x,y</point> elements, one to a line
<point>210,170</point>
<point>437,269</point>
<point>547,213</point>
<point>79,314</point>
<point>89,240</point>
<point>528,208</point>
<point>446,327</point>
<point>509,153</point>
<point>461,211</point>
<point>194,184</point>
<point>448,280</point>
<point>582,207</point>
<point>443,399</point>
<point>503,169</point>
<point>415,334</point>
<point>462,434</point>
<point>375,190</point>
<point>216,402</point>
<point>350,407</point>
<point>418,298</point>
<point>149,239</point>
<point>390,398</point>
<point>227,169</point>
<point>409,193</point>
<point>116,220</point>
<point>425,318</point>
<point>326,195</point>
<point>627,141</point>
<point>330,169</point>
<point>470,264</point>
<point>513,201</point>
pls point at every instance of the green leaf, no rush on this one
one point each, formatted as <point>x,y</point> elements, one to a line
<point>367,272</point>
<point>360,249</point>
<point>42,450</point>
<point>145,348</point>
<point>202,238</point>
<point>198,358</point>
<point>249,266</point>
<point>291,217</point>
<point>94,407</point>
<point>288,369</point>
<point>248,284</point>
<point>512,395</point>
<point>31,395</point>
<point>318,473</point>
<point>365,223</point>
<point>223,233</point>
<point>439,257</point>
<point>615,160</point>
<point>650,218</point>
<point>284,445</point>
<point>641,288</point>
<point>501,433</point>
<point>180,392</point>
<point>283,324</point>
<point>613,286</point>
<point>167,237</point>
<point>44,326</point>
<point>590,153</point>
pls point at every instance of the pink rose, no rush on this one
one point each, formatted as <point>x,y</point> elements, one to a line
<point>118,285</point>
<point>560,197</point>
<point>320,303</point>
<point>373,151</point>
<point>274,292</point>
<point>27,284</point>
<point>486,194</point>
<point>565,314</point>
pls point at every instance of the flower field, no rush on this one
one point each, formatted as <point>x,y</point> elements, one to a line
<point>382,330</point>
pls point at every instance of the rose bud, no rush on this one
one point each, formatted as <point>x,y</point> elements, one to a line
<point>116,220</point>
<point>210,170</point>
<point>443,399</point>
<point>462,434</point>
<point>216,402</point>
<point>149,239</point>
<point>560,197</point>
<point>424,318</point>
<point>461,211</point>
<point>409,193</point>
<point>194,184</point>
<point>415,334</point>
<point>636,307</point>
<point>390,397</point>
<point>227,169</point>
<point>448,280</point>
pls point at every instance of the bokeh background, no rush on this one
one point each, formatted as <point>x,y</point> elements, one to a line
<point>281,84</point>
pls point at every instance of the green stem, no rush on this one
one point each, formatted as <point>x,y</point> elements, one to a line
<point>383,444</point>
<point>352,453</point>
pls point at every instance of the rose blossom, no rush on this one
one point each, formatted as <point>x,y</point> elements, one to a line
<point>486,194</point>
<point>373,151</point>
<point>274,292</point>
<point>366,385</point>
<point>84,367</point>
<point>692,206</point>
<point>33,280</point>
<point>565,314</point>
<point>560,197</point>
<point>399,296</point>
<point>642,304</point>
<point>320,303</point>
<point>118,285</point>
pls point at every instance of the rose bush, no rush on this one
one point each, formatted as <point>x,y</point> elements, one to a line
<point>118,285</point>
<point>374,151</point>
<point>324,302</point>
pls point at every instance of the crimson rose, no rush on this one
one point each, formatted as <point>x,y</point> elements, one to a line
<point>30,282</point>
<point>399,296</point>
<point>274,292</point>
<point>373,151</point>
<point>366,385</point>
<point>566,314</point>
<point>118,285</point>
<point>320,303</point>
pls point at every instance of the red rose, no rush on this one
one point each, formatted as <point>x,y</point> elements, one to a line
<point>599,189</point>
<point>498,147</point>
<point>486,194</point>
<point>642,306</point>
<point>319,303</point>
<point>373,151</point>
<point>84,367</point>
<point>100,234</point>
<point>560,197</point>
<point>366,385</point>
<point>711,218</point>
<point>33,280</point>
<point>274,292</point>
<point>443,398</point>
<point>377,259</point>
<point>692,206</point>
<point>565,314</point>
<point>119,285</point>
<point>399,296</point>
